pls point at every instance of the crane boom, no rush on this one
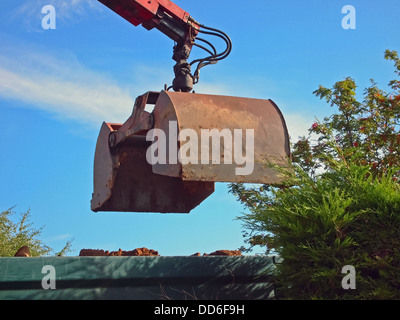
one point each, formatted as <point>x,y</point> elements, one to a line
<point>179,26</point>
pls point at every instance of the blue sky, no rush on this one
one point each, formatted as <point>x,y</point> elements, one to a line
<point>57,86</point>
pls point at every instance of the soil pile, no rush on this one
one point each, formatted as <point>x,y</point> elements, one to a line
<point>144,252</point>
<point>140,252</point>
<point>225,253</point>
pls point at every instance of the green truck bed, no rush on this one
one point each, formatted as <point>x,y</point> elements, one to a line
<point>137,278</point>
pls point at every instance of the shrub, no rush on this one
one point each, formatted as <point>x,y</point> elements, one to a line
<point>341,203</point>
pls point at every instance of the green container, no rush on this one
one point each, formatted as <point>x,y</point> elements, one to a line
<point>137,278</point>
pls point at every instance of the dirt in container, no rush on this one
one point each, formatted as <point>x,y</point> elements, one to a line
<point>144,252</point>
<point>139,252</point>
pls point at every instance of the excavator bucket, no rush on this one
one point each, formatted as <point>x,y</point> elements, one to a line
<point>124,182</point>
<point>230,139</point>
<point>169,159</point>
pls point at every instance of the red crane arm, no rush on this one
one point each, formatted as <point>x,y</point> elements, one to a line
<point>161,14</point>
<point>178,25</point>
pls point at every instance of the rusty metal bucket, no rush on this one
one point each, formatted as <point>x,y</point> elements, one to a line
<point>124,181</point>
<point>168,160</point>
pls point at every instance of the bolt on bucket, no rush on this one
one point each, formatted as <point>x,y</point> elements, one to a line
<point>168,160</point>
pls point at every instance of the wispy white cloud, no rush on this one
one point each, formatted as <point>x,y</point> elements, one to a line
<point>59,237</point>
<point>56,95</point>
<point>63,87</point>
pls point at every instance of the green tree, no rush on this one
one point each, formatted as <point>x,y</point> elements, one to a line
<point>368,129</point>
<point>14,235</point>
<point>341,202</point>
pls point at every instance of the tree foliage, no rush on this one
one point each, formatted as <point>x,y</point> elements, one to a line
<point>341,202</point>
<point>15,234</point>
<point>367,129</point>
